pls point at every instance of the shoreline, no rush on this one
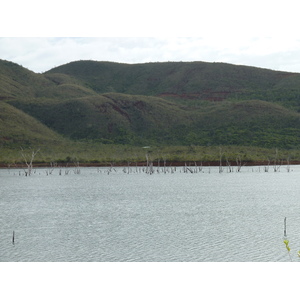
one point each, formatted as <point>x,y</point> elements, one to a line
<point>144,164</point>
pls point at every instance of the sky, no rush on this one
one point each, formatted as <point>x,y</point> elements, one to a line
<point>40,54</point>
<point>254,33</point>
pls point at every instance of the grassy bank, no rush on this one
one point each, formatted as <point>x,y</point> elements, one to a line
<point>101,154</point>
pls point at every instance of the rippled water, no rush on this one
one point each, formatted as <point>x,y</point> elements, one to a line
<point>101,216</point>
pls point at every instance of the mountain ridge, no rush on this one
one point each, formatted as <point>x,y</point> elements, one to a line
<point>169,103</point>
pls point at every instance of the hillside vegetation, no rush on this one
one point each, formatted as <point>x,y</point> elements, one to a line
<point>88,106</point>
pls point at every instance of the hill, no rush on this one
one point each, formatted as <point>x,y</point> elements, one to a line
<point>188,82</point>
<point>158,104</point>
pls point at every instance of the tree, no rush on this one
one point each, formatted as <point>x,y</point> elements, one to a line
<point>28,159</point>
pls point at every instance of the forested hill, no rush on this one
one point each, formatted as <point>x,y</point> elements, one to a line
<point>186,80</point>
<point>171,103</point>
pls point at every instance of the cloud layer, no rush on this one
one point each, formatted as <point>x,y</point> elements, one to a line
<point>42,54</point>
<point>259,33</point>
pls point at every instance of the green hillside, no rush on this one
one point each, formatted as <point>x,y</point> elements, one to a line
<point>16,127</point>
<point>19,131</point>
<point>87,105</point>
<point>188,81</point>
<point>16,81</point>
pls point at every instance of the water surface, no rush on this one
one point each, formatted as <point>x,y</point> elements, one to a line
<point>99,215</point>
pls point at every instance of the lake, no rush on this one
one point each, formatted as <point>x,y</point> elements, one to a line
<point>126,214</point>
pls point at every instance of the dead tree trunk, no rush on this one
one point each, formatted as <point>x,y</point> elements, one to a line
<point>220,166</point>
<point>147,167</point>
<point>288,167</point>
<point>165,163</point>
<point>266,168</point>
<point>238,163</point>
<point>276,166</point>
<point>76,169</point>
<point>128,167</point>
<point>229,165</point>
<point>29,160</point>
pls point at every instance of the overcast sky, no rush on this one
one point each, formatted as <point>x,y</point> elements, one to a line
<point>254,33</point>
<point>42,54</point>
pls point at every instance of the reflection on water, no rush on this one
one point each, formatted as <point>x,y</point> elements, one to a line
<point>174,216</point>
